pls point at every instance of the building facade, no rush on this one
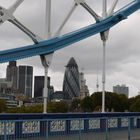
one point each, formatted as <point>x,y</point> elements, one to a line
<point>24,80</point>
<point>58,96</point>
<point>71,80</point>
<point>11,74</point>
<point>21,78</point>
<point>121,90</point>
<point>39,86</point>
<point>5,86</point>
<point>10,100</point>
<point>84,92</point>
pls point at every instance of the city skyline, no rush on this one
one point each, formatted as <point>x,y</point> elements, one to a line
<point>122,64</point>
<point>35,84</point>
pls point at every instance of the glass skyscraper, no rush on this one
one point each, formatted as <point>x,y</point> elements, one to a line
<point>21,78</point>
<point>11,73</point>
<point>25,78</point>
<point>71,85</point>
<point>39,86</point>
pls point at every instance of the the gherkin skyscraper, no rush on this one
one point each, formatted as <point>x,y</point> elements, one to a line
<point>71,85</point>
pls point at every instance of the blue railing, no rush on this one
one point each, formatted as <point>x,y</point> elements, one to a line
<point>69,126</point>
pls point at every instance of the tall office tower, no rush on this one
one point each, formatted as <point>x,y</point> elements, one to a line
<point>11,73</point>
<point>121,89</point>
<point>84,92</point>
<point>50,89</point>
<point>39,86</point>
<point>25,78</point>
<point>71,80</point>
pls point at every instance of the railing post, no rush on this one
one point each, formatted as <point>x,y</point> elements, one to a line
<point>47,130</point>
<point>80,129</point>
<point>129,128</point>
<point>5,135</point>
<point>106,129</point>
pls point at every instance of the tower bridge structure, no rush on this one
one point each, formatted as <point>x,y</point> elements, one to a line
<point>46,48</point>
<point>56,43</point>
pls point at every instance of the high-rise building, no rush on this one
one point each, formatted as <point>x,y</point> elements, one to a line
<point>21,78</point>
<point>25,78</point>
<point>84,92</point>
<point>11,73</point>
<point>121,89</point>
<point>71,80</point>
<point>39,86</point>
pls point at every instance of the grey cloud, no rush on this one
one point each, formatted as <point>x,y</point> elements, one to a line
<point>123,46</point>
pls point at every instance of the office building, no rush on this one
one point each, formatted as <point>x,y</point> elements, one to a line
<point>5,86</point>
<point>25,78</point>
<point>71,80</point>
<point>58,96</point>
<point>11,73</point>
<point>39,86</point>
<point>84,92</point>
<point>7,93</point>
<point>10,100</point>
<point>121,90</point>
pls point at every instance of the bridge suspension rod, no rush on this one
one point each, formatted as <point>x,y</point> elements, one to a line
<point>51,45</point>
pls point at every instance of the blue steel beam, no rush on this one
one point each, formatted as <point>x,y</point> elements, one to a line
<point>51,45</point>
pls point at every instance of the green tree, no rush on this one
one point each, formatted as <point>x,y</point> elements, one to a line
<point>114,105</point>
<point>113,101</point>
<point>28,109</point>
<point>87,104</point>
<point>135,107</point>
<point>58,107</point>
<point>123,104</point>
<point>98,109</point>
<point>2,105</point>
<point>75,105</point>
<point>132,101</point>
<point>96,99</point>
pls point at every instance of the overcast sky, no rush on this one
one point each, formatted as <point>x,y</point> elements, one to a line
<point>123,45</point>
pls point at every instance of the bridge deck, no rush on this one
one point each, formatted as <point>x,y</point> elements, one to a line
<point>70,126</point>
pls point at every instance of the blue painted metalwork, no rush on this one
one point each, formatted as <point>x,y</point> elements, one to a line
<point>30,126</point>
<point>49,46</point>
<point>55,116</point>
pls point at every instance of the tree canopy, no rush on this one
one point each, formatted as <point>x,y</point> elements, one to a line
<point>113,102</point>
<point>2,105</point>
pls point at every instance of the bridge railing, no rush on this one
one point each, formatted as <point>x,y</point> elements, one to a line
<point>109,126</point>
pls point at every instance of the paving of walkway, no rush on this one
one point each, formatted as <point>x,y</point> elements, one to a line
<point>112,135</point>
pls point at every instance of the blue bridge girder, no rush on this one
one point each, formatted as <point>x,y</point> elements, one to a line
<point>51,45</point>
